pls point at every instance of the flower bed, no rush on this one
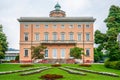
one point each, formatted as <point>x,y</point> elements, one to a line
<point>56,65</point>
<point>51,76</point>
<point>72,71</point>
<point>96,72</point>
<point>70,61</point>
<point>35,71</point>
<point>16,71</point>
<point>85,65</point>
<point>26,65</point>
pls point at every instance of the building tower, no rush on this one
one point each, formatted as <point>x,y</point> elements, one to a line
<point>57,12</point>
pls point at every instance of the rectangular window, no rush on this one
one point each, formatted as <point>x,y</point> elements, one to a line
<point>71,26</point>
<point>46,26</point>
<point>54,36</point>
<point>62,26</point>
<point>62,53</point>
<point>87,52</point>
<point>79,36</point>
<point>71,36</point>
<point>37,26</point>
<point>37,36</point>
<point>26,36</point>
<point>54,26</point>
<point>79,26</point>
<point>54,53</point>
<point>26,26</point>
<point>87,26</point>
<point>46,36</point>
<point>87,36</point>
<point>26,52</point>
<point>62,36</point>
<point>46,53</point>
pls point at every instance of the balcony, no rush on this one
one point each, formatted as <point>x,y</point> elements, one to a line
<point>58,41</point>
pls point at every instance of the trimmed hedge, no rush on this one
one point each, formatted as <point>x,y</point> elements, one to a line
<point>16,71</point>
<point>112,64</point>
<point>95,72</point>
<point>35,71</point>
<point>72,71</point>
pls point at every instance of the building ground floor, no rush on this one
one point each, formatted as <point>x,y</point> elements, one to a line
<point>57,52</point>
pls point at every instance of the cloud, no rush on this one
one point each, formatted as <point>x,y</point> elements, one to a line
<point>10,10</point>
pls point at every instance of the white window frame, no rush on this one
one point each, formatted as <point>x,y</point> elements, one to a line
<point>62,36</point>
<point>54,26</point>
<point>54,53</point>
<point>55,36</point>
<point>37,26</point>
<point>79,26</point>
<point>46,26</point>
<point>47,53</point>
<point>26,35</point>
<point>87,49</point>
<point>37,36</point>
<point>80,36</point>
<point>25,53</point>
<point>62,26</point>
<point>46,38</point>
<point>63,51</point>
<point>26,26</point>
<point>70,36</point>
<point>71,26</point>
<point>87,39</point>
<point>87,26</point>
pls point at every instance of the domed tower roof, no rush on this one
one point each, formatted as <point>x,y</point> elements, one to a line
<point>57,6</point>
<point>57,12</point>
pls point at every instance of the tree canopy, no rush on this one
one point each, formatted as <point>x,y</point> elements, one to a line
<point>37,51</point>
<point>108,40</point>
<point>76,52</point>
<point>3,43</point>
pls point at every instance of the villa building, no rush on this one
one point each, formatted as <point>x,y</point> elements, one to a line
<point>59,33</point>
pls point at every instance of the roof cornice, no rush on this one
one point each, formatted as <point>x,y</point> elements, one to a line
<point>56,19</point>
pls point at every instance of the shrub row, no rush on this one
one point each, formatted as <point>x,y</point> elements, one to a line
<point>16,71</point>
<point>56,65</point>
<point>96,72</point>
<point>112,64</point>
<point>72,71</point>
<point>26,65</point>
<point>35,71</point>
<point>51,76</point>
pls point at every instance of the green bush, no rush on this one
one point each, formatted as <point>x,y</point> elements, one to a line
<point>107,64</point>
<point>118,65</point>
<point>112,64</point>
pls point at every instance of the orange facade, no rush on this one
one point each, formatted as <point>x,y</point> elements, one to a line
<point>59,34</point>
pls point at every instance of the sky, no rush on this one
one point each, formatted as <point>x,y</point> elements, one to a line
<point>11,10</point>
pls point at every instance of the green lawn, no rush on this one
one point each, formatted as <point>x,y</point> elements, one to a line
<point>67,76</point>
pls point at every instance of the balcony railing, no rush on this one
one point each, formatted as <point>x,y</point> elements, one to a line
<point>58,41</point>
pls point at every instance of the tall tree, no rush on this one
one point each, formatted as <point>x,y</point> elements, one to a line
<point>108,40</point>
<point>3,43</point>
<point>37,51</point>
<point>76,52</point>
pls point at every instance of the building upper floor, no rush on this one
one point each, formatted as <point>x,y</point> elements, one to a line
<point>56,27</point>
